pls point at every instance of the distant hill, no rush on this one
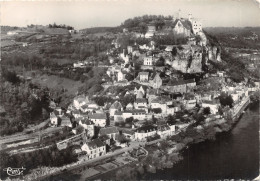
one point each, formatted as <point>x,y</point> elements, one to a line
<point>94,30</point>
<point>5,29</point>
<point>236,37</point>
<point>241,31</point>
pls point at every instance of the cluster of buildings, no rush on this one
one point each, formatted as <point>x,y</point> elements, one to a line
<point>151,91</point>
<point>183,26</point>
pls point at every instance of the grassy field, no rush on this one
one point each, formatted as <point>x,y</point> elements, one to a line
<point>52,81</point>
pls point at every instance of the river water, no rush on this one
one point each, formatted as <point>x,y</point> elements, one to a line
<point>233,155</point>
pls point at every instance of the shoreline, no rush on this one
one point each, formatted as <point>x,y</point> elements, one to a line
<point>223,132</point>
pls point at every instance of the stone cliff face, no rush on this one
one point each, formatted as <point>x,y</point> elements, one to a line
<point>214,53</point>
<point>192,58</point>
<point>191,62</point>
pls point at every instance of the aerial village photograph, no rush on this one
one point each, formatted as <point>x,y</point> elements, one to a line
<point>129,90</point>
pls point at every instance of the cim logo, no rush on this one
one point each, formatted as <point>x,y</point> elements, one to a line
<point>14,171</point>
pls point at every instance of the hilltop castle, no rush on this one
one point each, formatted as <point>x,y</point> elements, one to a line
<point>179,26</point>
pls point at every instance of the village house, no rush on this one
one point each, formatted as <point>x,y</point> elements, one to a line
<point>121,140</point>
<point>145,131</point>
<point>80,101</point>
<point>76,113</point>
<point>129,134</point>
<point>156,81</point>
<point>94,148</point>
<point>124,56</point>
<point>109,131</point>
<point>151,95</point>
<point>116,106</point>
<point>58,111</point>
<point>196,26</point>
<point>143,76</point>
<point>129,106</point>
<point>172,126</point>
<point>99,119</point>
<point>89,107</point>
<point>151,31</point>
<point>190,101</point>
<point>213,105</point>
<point>118,116</point>
<point>140,89</point>
<point>54,119</point>
<point>164,130</point>
<point>158,103</point>
<point>127,114</point>
<point>139,95</point>
<point>182,27</point>
<point>127,67</point>
<point>120,76</point>
<point>129,49</point>
<point>65,121</point>
<point>181,86</point>
<point>88,126</point>
<point>140,103</point>
<point>148,61</point>
<point>136,53</point>
<point>52,105</point>
<point>171,109</point>
<point>141,114</point>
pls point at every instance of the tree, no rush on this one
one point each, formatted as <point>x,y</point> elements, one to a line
<point>129,120</point>
<point>226,100</point>
<point>160,62</point>
<point>10,76</point>
<point>206,110</point>
<point>157,110</point>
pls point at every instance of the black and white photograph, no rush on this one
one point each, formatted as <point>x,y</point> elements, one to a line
<point>127,90</point>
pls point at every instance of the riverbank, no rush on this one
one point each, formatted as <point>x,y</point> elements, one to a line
<point>233,155</point>
<point>173,148</point>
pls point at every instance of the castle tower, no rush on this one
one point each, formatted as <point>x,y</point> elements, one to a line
<point>179,14</point>
<point>190,17</point>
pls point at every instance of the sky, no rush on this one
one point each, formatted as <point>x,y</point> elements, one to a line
<point>96,13</point>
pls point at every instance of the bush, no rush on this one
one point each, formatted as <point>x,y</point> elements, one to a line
<point>206,111</point>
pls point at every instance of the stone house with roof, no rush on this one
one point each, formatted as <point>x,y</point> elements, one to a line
<point>182,27</point>
<point>196,26</point>
<point>164,130</point>
<point>127,67</point>
<point>213,105</point>
<point>145,131</point>
<point>148,61</point>
<point>129,134</point>
<point>94,148</point>
<point>54,119</point>
<point>140,89</point>
<point>129,106</point>
<point>116,106</point>
<point>141,114</point>
<point>88,126</point>
<point>156,81</point>
<point>139,95</point>
<point>65,121</point>
<point>140,103</point>
<point>118,116</point>
<point>172,125</point>
<point>181,86</point>
<point>143,76</point>
<point>80,101</point>
<point>109,131</point>
<point>99,119</point>
<point>76,113</point>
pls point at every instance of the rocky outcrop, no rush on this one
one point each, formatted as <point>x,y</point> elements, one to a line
<point>214,53</point>
<point>192,58</point>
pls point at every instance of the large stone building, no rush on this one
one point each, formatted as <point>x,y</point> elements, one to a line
<point>94,148</point>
